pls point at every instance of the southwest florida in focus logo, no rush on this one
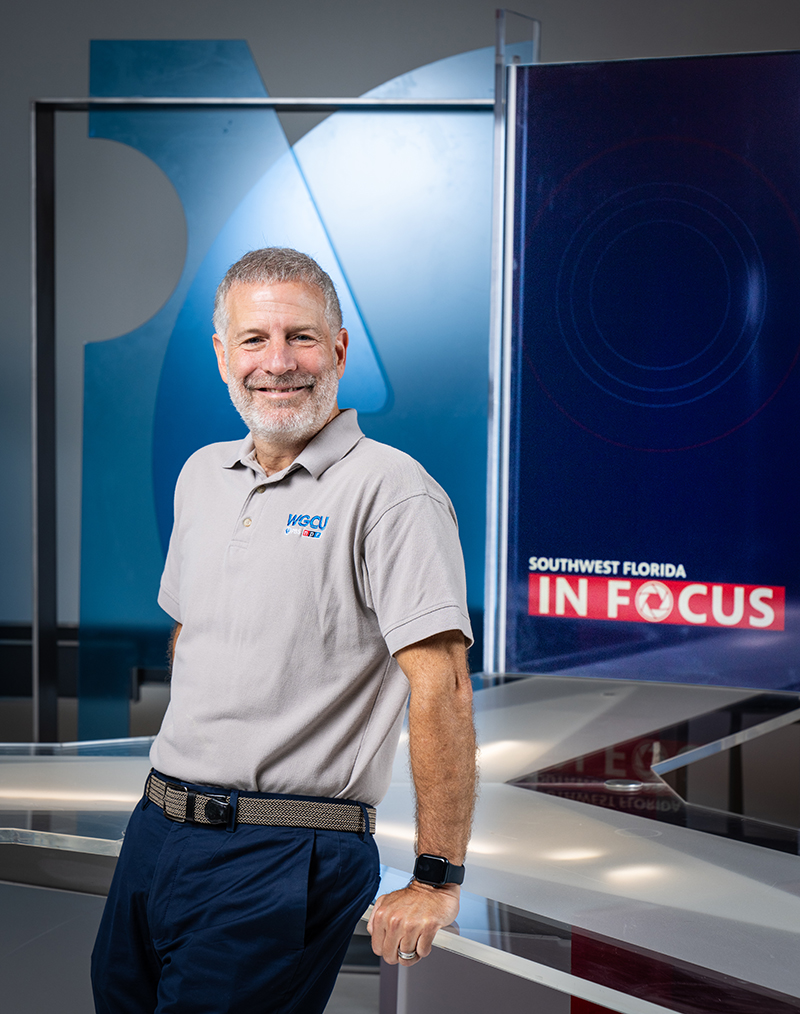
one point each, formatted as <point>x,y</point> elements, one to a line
<point>637,592</point>
<point>311,527</point>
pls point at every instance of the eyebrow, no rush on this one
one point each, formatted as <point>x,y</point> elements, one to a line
<point>302,329</point>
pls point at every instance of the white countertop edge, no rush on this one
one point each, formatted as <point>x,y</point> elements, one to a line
<point>64,842</point>
<point>544,975</point>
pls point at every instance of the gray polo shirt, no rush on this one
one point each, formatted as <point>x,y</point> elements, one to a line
<point>294,591</point>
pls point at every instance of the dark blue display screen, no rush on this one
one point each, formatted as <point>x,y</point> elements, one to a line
<point>655,400</point>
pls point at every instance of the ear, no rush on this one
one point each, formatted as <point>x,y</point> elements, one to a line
<point>340,344</point>
<point>219,348</point>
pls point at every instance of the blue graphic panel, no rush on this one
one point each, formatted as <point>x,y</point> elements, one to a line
<point>395,207</point>
<point>278,211</point>
<point>211,157</point>
<point>655,392</point>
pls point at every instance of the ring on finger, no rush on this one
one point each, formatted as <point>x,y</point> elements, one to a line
<point>406,955</point>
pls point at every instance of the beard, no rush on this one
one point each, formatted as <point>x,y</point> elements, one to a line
<point>285,423</point>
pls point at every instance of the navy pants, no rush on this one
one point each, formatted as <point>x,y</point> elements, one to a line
<point>200,920</point>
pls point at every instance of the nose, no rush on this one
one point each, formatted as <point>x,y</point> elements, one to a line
<point>278,357</point>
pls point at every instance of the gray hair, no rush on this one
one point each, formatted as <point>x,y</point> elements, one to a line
<point>276,264</point>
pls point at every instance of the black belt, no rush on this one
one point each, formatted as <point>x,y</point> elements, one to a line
<point>185,805</point>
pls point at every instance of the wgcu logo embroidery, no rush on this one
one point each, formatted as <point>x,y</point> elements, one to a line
<point>306,525</point>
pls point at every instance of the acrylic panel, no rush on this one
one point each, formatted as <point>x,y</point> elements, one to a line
<point>655,400</point>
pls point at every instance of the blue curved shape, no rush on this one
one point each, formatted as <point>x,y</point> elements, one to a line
<point>397,208</point>
<point>409,212</point>
<point>278,211</point>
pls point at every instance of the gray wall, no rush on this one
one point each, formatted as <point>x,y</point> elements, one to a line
<point>108,193</point>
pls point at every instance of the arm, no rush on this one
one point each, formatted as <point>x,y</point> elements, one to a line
<point>442,750</point>
<point>172,642</point>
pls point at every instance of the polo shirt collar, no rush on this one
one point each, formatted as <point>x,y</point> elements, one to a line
<point>325,449</point>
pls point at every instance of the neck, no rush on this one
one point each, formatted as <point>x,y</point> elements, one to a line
<point>273,457</point>
<point>275,454</point>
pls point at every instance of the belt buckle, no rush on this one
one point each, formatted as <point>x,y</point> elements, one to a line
<point>216,808</point>
<point>212,809</point>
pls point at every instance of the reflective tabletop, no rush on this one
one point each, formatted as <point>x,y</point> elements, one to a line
<point>574,885</point>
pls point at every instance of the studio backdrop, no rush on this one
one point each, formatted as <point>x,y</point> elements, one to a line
<point>653,507</point>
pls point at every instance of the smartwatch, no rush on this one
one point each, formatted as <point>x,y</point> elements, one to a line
<point>436,870</point>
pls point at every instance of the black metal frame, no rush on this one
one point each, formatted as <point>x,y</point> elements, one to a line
<point>44,674</point>
<point>44,651</point>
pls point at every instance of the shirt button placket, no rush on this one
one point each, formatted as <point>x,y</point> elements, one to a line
<point>249,519</point>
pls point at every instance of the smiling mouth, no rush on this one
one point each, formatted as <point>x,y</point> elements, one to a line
<point>282,390</point>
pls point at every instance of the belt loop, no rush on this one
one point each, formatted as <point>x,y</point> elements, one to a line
<point>146,802</point>
<point>365,817</point>
<point>234,805</point>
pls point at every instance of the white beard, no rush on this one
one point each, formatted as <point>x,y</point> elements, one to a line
<point>285,423</point>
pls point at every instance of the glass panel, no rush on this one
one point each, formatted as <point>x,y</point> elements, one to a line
<point>655,394</point>
<point>395,206</point>
<point>649,776</point>
<point>518,37</point>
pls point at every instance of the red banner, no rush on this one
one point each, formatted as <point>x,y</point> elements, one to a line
<point>699,603</point>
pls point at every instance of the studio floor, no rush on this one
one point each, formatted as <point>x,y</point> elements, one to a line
<point>355,993</point>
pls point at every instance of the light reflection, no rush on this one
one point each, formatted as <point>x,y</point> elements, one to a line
<point>573,855</point>
<point>485,848</point>
<point>387,829</point>
<point>641,871</point>
<point>503,748</point>
<point>755,294</point>
<point>50,795</point>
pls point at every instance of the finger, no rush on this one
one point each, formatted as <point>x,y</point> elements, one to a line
<point>374,925</point>
<point>379,933</point>
<point>408,954</point>
<point>388,951</point>
<point>378,940</point>
<point>386,936</point>
<point>425,941</point>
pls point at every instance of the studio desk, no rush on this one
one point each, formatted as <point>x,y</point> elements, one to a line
<point>635,849</point>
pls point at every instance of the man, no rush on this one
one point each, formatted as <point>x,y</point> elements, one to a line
<point>315,577</point>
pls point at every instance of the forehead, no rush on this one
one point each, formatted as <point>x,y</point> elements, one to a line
<point>284,302</point>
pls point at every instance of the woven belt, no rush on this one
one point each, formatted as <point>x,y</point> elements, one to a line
<point>187,806</point>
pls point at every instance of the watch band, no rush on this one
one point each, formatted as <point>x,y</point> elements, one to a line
<point>437,871</point>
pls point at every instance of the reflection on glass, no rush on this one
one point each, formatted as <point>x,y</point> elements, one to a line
<point>572,855</point>
<point>694,774</point>
<point>638,872</point>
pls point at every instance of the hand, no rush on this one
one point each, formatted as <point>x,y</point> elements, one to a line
<point>408,920</point>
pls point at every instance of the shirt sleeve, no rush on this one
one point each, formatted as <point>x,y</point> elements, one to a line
<point>415,572</point>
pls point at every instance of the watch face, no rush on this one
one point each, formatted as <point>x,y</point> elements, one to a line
<point>431,869</point>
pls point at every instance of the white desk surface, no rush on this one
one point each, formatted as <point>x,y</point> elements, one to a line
<point>722,905</point>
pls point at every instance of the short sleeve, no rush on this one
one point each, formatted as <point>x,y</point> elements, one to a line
<point>415,572</point>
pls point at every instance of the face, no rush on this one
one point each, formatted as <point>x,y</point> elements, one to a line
<point>280,361</point>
